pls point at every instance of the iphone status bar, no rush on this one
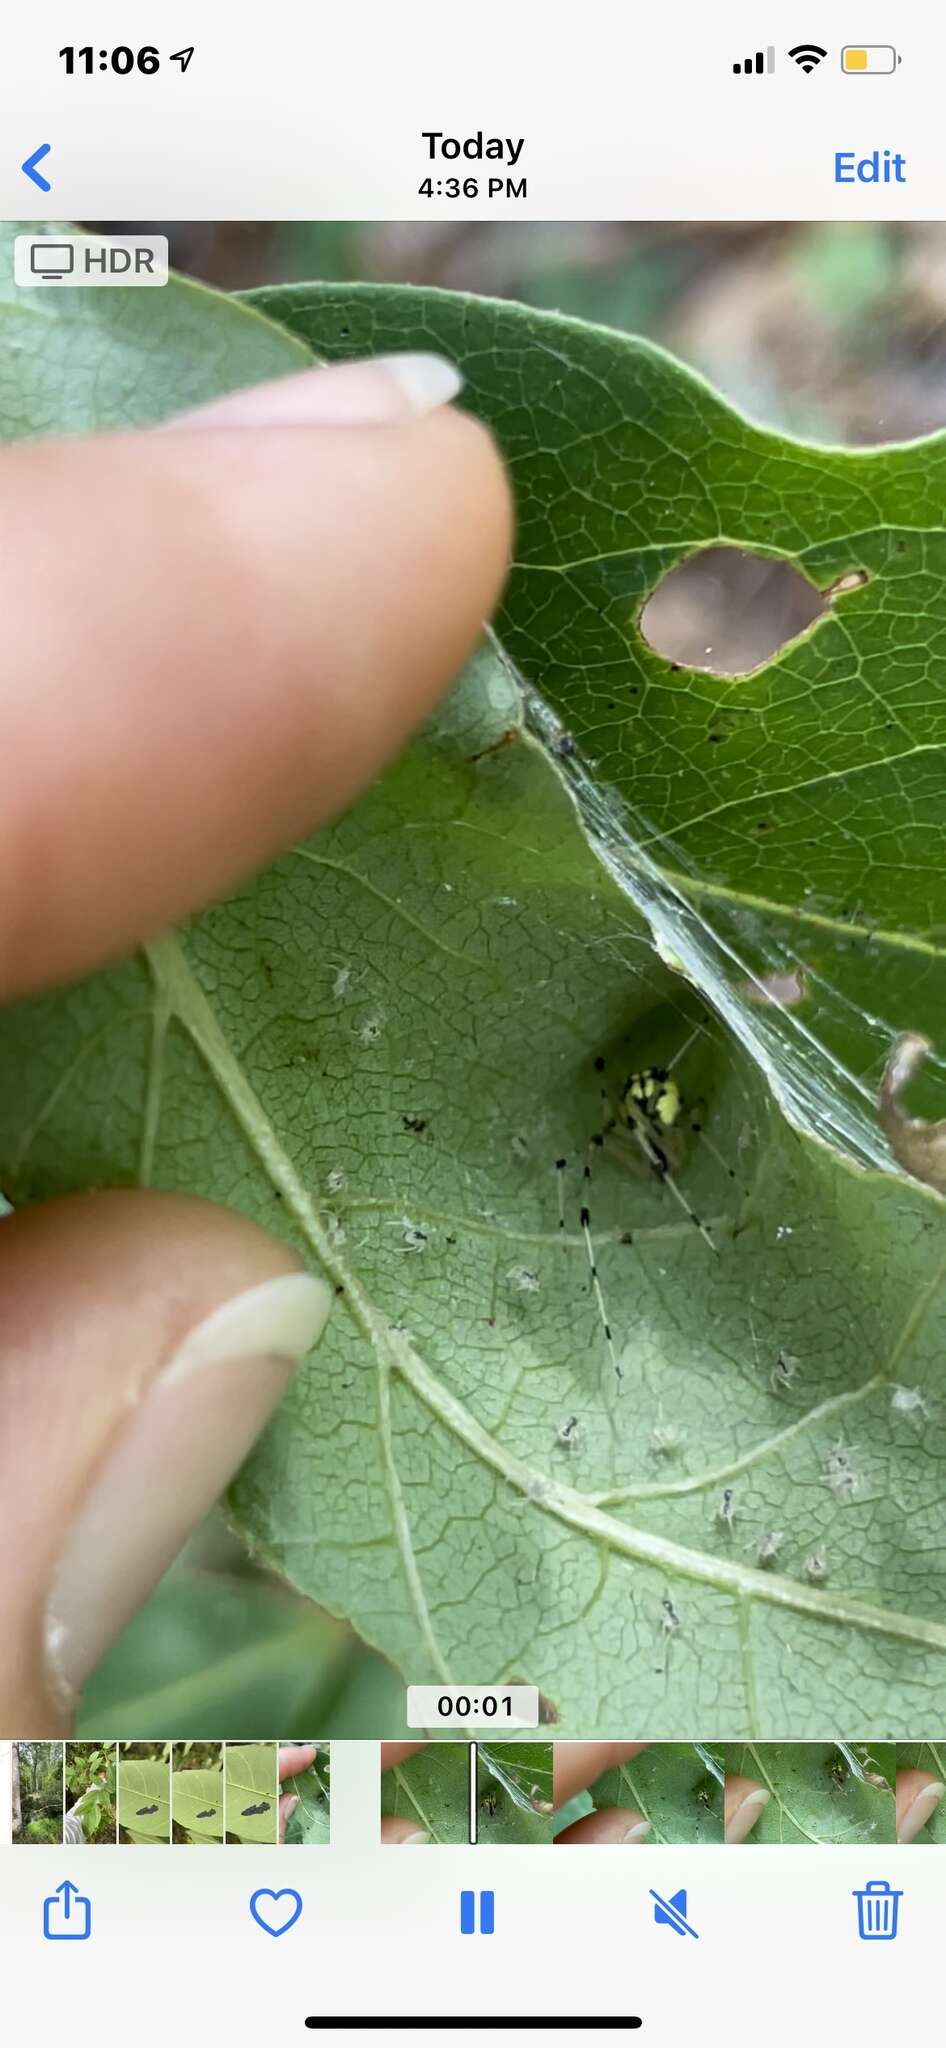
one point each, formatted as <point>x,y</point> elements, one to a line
<point>307,115</point>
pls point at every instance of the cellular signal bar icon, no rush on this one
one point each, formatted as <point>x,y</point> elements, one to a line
<point>764,60</point>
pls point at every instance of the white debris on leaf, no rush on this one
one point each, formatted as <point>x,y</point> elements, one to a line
<point>523,1280</point>
<point>666,1440</point>
<point>569,1432</point>
<point>840,1474</point>
<point>372,1029</point>
<point>908,1401</point>
<point>769,1546</point>
<point>785,1370</point>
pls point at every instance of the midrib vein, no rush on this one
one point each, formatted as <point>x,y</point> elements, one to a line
<point>184,997</point>
<point>395,1352</point>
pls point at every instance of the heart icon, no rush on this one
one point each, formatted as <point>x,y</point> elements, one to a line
<point>276,1912</point>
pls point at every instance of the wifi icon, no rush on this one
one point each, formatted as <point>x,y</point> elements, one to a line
<point>807,55</point>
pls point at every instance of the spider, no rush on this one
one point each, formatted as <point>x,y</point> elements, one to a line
<point>667,1628</point>
<point>647,1113</point>
<point>726,1509</point>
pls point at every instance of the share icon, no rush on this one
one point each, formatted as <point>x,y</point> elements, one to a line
<point>672,1913</point>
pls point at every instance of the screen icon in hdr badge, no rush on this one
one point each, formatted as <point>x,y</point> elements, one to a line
<point>50,259</point>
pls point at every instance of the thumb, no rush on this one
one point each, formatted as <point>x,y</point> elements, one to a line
<point>918,1796</point>
<point>746,1801</point>
<point>284,585</point>
<point>127,1408</point>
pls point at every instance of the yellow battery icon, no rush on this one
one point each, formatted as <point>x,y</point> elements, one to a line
<point>871,58</point>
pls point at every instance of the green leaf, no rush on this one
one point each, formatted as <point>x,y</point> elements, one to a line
<point>514,1791</point>
<point>252,1793</point>
<point>144,1799</point>
<point>197,1803</point>
<point>210,1651</point>
<point>310,1822</point>
<point>815,1796</point>
<point>379,1049</point>
<point>73,367</point>
<point>93,1812</point>
<point>432,1790</point>
<point>793,816</point>
<point>669,1785</point>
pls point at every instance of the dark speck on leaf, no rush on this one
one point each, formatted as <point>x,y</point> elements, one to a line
<point>147,1809</point>
<point>207,1813</point>
<point>263,1807</point>
<point>414,1123</point>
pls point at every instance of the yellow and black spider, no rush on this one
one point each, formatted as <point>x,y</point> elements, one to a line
<point>647,1112</point>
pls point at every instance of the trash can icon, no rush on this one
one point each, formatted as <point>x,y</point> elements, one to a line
<point>878,1911</point>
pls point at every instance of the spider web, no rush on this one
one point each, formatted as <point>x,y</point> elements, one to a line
<point>729,958</point>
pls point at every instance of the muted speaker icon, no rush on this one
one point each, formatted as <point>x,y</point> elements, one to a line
<point>672,1912</point>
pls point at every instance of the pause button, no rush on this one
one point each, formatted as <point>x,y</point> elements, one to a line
<point>468,1913</point>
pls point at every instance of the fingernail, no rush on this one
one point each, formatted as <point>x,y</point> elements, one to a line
<point>378,391</point>
<point>180,1445</point>
<point>290,1807</point>
<point>920,1811</point>
<point>412,1841</point>
<point>636,1834</point>
<point>746,1815</point>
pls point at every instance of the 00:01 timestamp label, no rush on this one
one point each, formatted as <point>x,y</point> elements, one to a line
<point>472,1706</point>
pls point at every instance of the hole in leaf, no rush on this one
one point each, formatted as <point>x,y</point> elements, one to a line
<point>729,611</point>
<point>782,990</point>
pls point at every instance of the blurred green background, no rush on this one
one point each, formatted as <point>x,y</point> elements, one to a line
<point>833,331</point>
